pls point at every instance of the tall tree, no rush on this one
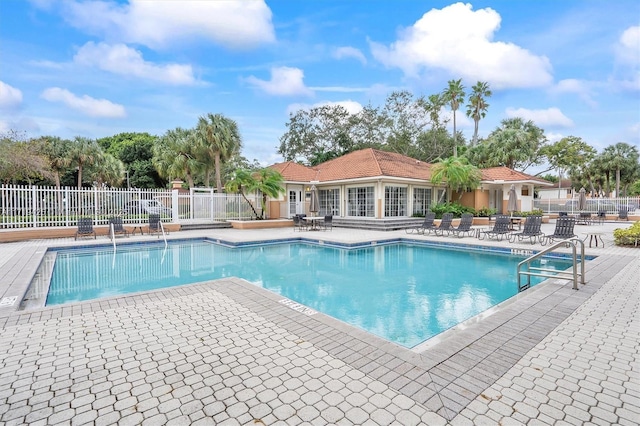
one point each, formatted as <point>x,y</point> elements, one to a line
<point>83,152</point>
<point>516,144</point>
<point>566,154</point>
<point>176,155</point>
<point>56,152</point>
<point>21,160</point>
<point>221,140</point>
<point>620,158</point>
<point>454,95</point>
<point>477,106</point>
<point>457,173</point>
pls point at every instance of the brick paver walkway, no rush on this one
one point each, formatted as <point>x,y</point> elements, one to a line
<point>586,371</point>
<point>226,352</point>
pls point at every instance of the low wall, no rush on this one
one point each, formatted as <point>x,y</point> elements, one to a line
<point>261,224</point>
<point>13,235</point>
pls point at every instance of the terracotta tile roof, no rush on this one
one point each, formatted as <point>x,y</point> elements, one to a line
<point>294,172</point>
<point>365,163</point>
<point>506,174</point>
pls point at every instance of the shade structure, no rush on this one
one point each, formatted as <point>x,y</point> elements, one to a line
<point>512,204</point>
<point>314,206</point>
<point>582,199</point>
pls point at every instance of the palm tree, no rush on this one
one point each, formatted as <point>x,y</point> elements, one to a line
<point>454,95</point>
<point>175,155</point>
<point>267,181</point>
<point>83,152</point>
<point>220,140</point>
<point>619,157</point>
<point>110,171</point>
<point>457,173</point>
<point>477,106</point>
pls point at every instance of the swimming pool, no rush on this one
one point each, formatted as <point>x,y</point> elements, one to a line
<point>403,292</point>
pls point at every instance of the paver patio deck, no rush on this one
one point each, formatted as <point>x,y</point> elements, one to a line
<point>228,352</point>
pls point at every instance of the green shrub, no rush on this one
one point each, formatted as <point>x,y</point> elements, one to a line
<point>629,236</point>
<point>536,212</point>
<point>485,212</point>
<point>456,208</point>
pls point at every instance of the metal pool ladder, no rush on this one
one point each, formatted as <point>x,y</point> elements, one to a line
<point>546,272</point>
<point>165,237</point>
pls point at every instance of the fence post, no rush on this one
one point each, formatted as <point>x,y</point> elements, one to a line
<point>174,206</point>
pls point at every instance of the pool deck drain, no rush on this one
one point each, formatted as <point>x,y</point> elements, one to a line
<point>229,352</point>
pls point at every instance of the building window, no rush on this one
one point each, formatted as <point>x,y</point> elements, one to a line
<point>421,201</point>
<point>361,202</point>
<point>329,202</point>
<point>525,191</point>
<point>395,201</point>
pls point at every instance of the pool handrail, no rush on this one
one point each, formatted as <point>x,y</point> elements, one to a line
<point>164,237</point>
<point>563,275</point>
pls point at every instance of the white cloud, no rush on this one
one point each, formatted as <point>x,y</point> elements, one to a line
<point>159,24</point>
<point>85,104</point>
<point>554,137</point>
<point>460,41</point>
<point>551,117</point>
<point>628,58</point>
<point>10,97</point>
<point>352,107</point>
<point>349,52</point>
<point>284,81</point>
<point>123,60</point>
<point>581,88</point>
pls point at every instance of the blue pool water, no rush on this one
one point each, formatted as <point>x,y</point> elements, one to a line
<point>402,292</point>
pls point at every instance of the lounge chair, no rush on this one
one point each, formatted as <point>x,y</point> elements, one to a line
<point>623,214</point>
<point>154,224</point>
<point>118,228</point>
<point>499,230</point>
<point>563,231</point>
<point>327,223</point>
<point>426,226</point>
<point>445,225</point>
<point>530,230</point>
<point>85,228</point>
<point>464,227</point>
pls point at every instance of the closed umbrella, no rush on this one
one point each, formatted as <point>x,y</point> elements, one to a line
<point>512,204</point>
<point>582,199</point>
<point>314,206</point>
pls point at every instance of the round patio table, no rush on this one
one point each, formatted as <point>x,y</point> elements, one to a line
<point>594,237</point>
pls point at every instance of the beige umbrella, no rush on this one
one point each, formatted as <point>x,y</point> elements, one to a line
<point>314,206</point>
<point>582,199</point>
<point>512,204</point>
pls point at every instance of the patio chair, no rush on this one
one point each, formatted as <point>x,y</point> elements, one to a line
<point>563,231</point>
<point>327,224</point>
<point>426,226</point>
<point>601,217</point>
<point>623,214</point>
<point>531,230</point>
<point>499,230</point>
<point>562,214</point>
<point>299,223</point>
<point>154,224</point>
<point>584,218</point>
<point>445,225</point>
<point>464,227</point>
<point>85,228</point>
<point>118,227</point>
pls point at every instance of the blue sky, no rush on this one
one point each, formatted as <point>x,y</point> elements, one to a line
<point>97,68</point>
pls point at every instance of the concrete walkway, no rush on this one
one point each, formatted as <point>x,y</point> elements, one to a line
<point>228,352</point>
